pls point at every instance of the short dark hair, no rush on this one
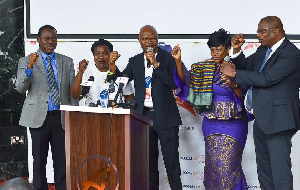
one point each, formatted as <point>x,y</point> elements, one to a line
<point>220,37</point>
<point>16,184</point>
<point>44,27</point>
<point>275,22</point>
<point>102,42</point>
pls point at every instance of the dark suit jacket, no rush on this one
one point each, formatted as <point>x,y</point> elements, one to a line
<point>165,108</point>
<point>276,89</point>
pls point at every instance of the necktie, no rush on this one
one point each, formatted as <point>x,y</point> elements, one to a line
<point>52,82</point>
<point>249,93</point>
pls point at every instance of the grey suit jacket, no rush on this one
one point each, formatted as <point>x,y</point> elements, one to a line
<point>36,103</point>
<point>276,89</point>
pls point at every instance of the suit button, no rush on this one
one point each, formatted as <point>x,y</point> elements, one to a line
<point>47,102</point>
<point>48,90</point>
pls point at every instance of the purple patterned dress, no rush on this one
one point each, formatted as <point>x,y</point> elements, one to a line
<point>225,135</point>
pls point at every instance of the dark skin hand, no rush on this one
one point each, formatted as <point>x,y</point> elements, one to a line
<point>228,69</point>
<point>33,57</point>
<point>228,80</point>
<point>76,88</point>
<point>114,56</point>
<point>151,56</point>
<point>236,42</point>
<point>176,53</point>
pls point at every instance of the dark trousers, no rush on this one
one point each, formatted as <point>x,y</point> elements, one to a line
<point>273,159</point>
<point>51,131</point>
<point>169,142</point>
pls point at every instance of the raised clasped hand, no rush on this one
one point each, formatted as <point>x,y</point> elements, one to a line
<point>33,57</point>
<point>228,69</point>
<point>176,52</point>
<point>114,56</point>
<point>237,41</point>
<point>151,56</point>
<point>83,65</point>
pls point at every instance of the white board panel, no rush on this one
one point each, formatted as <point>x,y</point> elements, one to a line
<point>168,16</point>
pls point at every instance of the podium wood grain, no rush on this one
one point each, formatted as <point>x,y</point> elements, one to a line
<point>125,142</point>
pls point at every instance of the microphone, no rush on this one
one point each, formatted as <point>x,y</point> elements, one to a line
<point>121,81</point>
<point>131,104</point>
<point>149,49</point>
<point>111,77</point>
<point>227,58</point>
<point>86,87</point>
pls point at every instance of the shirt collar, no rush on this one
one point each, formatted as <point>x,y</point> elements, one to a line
<point>44,56</point>
<point>275,46</point>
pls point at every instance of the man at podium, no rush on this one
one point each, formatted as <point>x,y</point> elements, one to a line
<point>152,73</point>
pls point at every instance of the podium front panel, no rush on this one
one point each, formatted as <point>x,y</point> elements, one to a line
<point>122,138</point>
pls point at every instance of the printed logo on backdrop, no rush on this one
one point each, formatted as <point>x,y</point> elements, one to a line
<point>251,46</point>
<point>187,186</point>
<point>186,128</point>
<point>253,187</point>
<point>191,186</point>
<point>198,174</point>
<point>199,159</point>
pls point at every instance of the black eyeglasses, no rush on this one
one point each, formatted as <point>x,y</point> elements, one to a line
<point>263,30</point>
<point>152,39</point>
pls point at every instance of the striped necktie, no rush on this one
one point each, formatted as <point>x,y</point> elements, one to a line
<point>52,82</point>
<point>249,93</point>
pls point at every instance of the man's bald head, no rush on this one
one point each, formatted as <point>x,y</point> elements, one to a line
<point>148,28</point>
<point>274,22</point>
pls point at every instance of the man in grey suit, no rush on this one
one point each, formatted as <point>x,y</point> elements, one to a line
<point>47,77</point>
<point>273,74</point>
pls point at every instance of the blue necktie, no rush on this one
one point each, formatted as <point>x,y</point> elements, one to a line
<point>52,81</point>
<point>249,93</point>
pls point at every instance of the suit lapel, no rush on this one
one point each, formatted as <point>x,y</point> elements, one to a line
<point>160,57</point>
<point>59,66</point>
<point>275,53</point>
<point>40,65</point>
<point>141,67</point>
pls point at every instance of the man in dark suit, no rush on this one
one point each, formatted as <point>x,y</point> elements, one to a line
<point>273,75</point>
<point>47,77</point>
<point>152,72</point>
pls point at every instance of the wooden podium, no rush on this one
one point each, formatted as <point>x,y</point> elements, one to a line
<point>118,134</point>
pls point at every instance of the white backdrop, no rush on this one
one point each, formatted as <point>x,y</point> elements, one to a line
<point>191,148</point>
<point>168,16</point>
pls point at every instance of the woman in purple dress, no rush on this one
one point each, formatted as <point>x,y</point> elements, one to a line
<point>220,101</point>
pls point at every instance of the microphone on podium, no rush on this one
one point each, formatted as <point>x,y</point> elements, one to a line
<point>121,82</point>
<point>86,87</point>
<point>111,77</point>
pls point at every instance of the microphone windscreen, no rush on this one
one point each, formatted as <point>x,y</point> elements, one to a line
<point>122,80</point>
<point>89,82</point>
<point>149,49</point>
<point>227,58</point>
<point>131,104</point>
